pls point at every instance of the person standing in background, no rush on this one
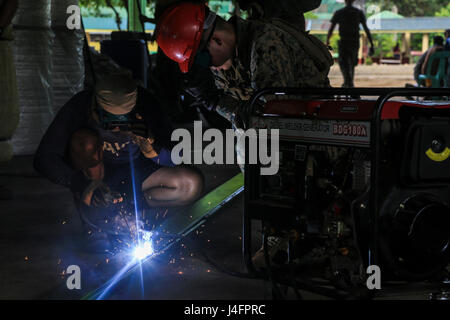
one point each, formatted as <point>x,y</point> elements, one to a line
<point>349,18</point>
<point>447,48</point>
<point>437,42</point>
<point>437,46</point>
<point>9,106</point>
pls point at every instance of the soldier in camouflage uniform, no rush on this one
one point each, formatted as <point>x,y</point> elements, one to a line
<point>266,56</point>
<point>243,55</point>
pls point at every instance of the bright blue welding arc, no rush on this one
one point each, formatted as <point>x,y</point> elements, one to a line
<point>122,271</point>
<point>136,210</point>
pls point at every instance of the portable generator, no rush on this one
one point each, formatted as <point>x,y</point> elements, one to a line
<point>361,182</point>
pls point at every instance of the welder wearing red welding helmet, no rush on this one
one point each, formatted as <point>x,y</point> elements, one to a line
<point>180,29</point>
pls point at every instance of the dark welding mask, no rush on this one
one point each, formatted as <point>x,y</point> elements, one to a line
<point>112,122</point>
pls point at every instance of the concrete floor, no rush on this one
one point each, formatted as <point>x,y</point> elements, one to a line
<point>381,76</point>
<point>40,236</point>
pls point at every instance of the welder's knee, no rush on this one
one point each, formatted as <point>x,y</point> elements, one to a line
<point>85,149</point>
<point>191,181</point>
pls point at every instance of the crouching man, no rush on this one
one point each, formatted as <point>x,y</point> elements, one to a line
<point>111,147</point>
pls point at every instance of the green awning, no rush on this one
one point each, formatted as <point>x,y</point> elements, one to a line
<point>386,15</point>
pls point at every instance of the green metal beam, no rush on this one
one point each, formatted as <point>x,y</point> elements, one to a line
<point>186,220</point>
<point>189,218</point>
<point>134,24</point>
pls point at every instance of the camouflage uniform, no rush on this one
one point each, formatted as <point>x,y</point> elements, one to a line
<point>289,10</point>
<point>266,56</point>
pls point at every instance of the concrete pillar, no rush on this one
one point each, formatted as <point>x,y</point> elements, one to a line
<point>362,41</point>
<point>407,45</point>
<point>425,42</point>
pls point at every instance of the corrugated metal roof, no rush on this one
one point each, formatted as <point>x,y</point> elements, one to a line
<point>107,21</point>
<point>399,25</point>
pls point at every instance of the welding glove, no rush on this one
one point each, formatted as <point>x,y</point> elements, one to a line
<point>139,127</point>
<point>98,194</point>
<point>142,136</point>
<point>199,83</point>
<point>147,146</point>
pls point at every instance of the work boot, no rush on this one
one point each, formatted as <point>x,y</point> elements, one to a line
<point>5,193</point>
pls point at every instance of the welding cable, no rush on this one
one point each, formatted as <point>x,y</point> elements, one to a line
<point>225,270</point>
<point>296,290</point>
<point>353,205</point>
<point>291,277</point>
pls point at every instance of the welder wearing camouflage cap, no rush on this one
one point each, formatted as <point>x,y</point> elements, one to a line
<point>111,146</point>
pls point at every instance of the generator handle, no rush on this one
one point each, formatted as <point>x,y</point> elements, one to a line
<point>374,92</point>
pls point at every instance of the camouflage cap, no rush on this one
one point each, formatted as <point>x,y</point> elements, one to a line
<point>116,94</point>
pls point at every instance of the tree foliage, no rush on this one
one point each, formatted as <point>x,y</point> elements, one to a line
<point>103,3</point>
<point>444,12</point>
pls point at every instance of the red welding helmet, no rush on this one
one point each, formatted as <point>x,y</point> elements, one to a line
<point>179,32</point>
